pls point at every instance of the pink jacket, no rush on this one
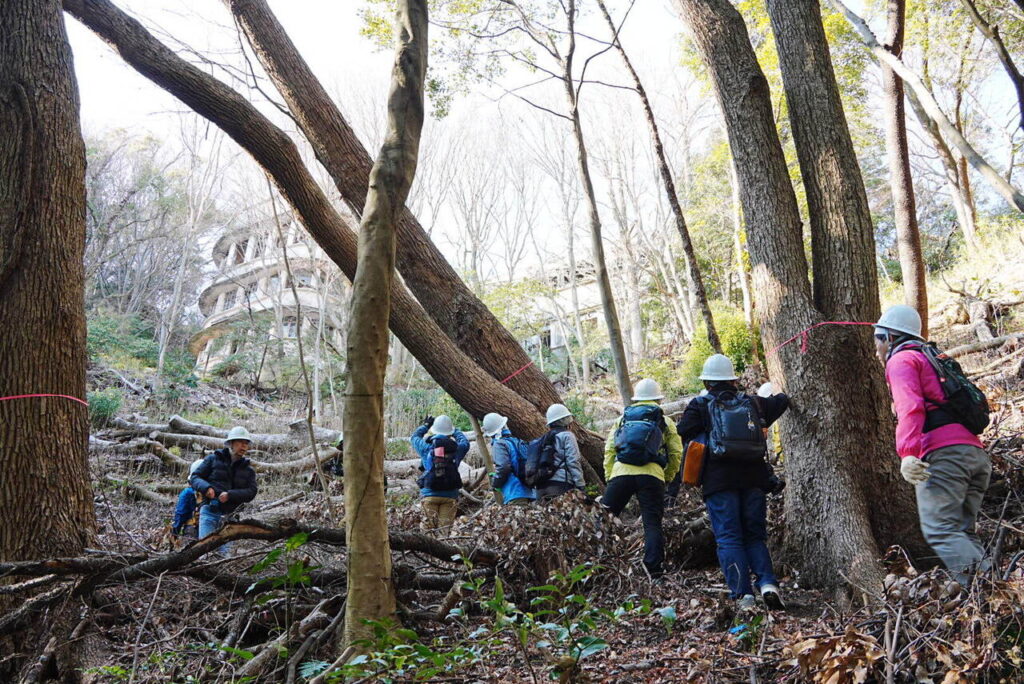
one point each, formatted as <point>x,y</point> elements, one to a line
<point>912,379</point>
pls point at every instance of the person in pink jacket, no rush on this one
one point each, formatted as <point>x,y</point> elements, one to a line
<point>943,460</point>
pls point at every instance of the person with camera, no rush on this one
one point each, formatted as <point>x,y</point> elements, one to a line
<point>736,476</point>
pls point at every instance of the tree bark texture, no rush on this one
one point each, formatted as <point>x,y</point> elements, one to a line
<point>839,436</point>
<point>670,187</point>
<point>44,474</point>
<point>908,237</point>
<point>604,284</point>
<point>1013,196</point>
<point>447,299</point>
<point>371,592</point>
<point>473,388</point>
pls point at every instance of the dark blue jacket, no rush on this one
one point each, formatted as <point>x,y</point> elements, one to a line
<point>236,478</point>
<point>185,509</point>
<point>426,451</point>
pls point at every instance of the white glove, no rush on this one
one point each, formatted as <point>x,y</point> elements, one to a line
<point>766,390</point>
<point>914,470</point>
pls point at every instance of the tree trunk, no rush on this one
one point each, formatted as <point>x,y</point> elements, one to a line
<point>604,284</point>
<point>446,298</point>
<point>473,388</point>
<point>1012,196</point>
<point>992,33</point>
<point>840,450</point>
<point>908,237</point>
<point>950,168</point>
<point>371,594</point>
<point>670,188</point>
<point>44,473</point>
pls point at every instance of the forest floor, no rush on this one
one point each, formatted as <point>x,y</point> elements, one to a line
<point>567,599</point>
<point>563,595</point>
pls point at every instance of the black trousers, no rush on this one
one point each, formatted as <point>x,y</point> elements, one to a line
<point>650,493</point>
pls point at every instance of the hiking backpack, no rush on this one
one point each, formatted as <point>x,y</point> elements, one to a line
<point>965,403</point>
<point>639,438</point>
<point>517,453</point>
<point>540,466</point>
<point>737,429</point>
<point>444,473</point>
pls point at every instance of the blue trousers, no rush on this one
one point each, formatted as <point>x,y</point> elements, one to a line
<point>739,520</point>
<point>209,521</point>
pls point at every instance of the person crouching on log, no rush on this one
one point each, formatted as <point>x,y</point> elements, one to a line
<point>736,477</point>
<point>939,415</point>
<point>226,480</point>
<point>509,455</point>
<point>441,449</point>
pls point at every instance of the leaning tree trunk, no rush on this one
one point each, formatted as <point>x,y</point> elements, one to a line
<point>838,436</point>
<point>44,473</point>
<point>604,284</point>
<point>908,237</point>
<point>472,386</point>
<point>670,188</point>
<point>1012,195</point>
<point>371,593</point>
<point>447,299</point>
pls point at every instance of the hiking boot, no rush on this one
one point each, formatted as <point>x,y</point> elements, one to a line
<point>772,598</point>
<point>746,603</point>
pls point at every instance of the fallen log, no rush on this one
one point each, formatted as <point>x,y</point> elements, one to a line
<point>139,491</point>
<point>129,568</point>
<point>964,349</point>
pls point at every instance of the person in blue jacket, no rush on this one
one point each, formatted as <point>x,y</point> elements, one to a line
<point>506,451</point>
<point>186,518</point>
<point>441,449</point>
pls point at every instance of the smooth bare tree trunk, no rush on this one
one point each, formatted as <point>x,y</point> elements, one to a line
<point>950,168</point>
<point>468,383</point>
<point>838,435</point>
<point>670,188</point>
<point>992,33</point>
<point>44,475</point>
<point>446,298</point>
<point>1013,196</point>
<point>908,237</point>
<point>371,592</point>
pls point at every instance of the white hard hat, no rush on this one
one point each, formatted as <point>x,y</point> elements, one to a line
<point>718,367</point>
<point>493,424</point>
<point>766,390</point>
<point>557,412</point>
<point>442,425</point>
<point>901,318</point>
<point>238,432</point>
<point>195,466</point>
<point>647,390</point>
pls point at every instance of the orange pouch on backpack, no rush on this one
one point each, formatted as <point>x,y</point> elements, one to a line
<point>694,463</point>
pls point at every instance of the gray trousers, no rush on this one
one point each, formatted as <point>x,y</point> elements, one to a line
<point>948,504</point>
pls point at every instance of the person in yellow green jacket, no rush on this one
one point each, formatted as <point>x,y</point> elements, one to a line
<point>642,453</point>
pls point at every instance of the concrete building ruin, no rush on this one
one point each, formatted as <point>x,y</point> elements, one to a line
<point>249,283</point>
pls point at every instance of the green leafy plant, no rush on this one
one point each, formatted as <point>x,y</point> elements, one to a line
<point>104,405</point>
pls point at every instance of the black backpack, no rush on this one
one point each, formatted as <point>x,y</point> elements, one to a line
<point>540,463</point>
<point>737,430</point>
<point>444,473</point>
<point>965,403</point>
<point>638,440</point>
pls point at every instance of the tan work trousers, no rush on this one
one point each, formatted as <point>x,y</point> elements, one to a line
<point>438,513</point>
